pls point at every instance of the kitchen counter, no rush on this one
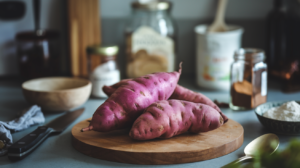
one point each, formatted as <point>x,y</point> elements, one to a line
<point>57,151</point>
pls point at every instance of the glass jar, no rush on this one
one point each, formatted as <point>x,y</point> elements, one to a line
<point>38,54</point>
<point>102,67</point>
<point>150,34</point>
<point>248,79</point>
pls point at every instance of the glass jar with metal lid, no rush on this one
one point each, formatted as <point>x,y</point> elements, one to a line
<point>248,79</point>
<point>102,67</point>
<point>150,39</point>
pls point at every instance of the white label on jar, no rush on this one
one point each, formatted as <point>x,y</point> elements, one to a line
<point>214,58</point>
<point>215,67</point>
<point>264,83</point>
<point>151,52</point>
<point>105,78</point>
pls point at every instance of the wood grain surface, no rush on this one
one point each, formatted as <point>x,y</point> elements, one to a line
<point>117,146</point>
<point>84,30</point>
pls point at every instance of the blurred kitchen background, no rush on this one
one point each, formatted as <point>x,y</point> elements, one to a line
<point>250,14</point>
<point>113,14</point>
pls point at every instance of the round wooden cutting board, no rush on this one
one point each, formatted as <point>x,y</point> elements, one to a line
<point>119,147</point>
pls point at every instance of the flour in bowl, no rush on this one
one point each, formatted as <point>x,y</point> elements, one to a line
<point>289,111</point>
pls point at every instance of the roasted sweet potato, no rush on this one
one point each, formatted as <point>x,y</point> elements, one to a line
<point>167,118</point>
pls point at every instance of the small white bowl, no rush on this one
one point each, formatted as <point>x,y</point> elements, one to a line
<point>57,93</point>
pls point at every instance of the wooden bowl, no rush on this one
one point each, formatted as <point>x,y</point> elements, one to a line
<point>57,93</point>
<point>277,126</point>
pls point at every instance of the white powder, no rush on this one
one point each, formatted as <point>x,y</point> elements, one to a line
<point>104,74</point>
<point>289,111</point>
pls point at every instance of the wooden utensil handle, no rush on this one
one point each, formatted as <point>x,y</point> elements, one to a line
<point>221,11</point>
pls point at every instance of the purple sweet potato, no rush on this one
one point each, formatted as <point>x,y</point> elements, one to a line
<point>131,98</point>
<point>109,90</point>
<point>180,93</point>
<point>168,118</point>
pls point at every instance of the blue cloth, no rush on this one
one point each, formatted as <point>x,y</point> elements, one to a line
<point>28,117</point>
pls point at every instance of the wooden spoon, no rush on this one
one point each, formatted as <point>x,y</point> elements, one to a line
<point>219,23</point>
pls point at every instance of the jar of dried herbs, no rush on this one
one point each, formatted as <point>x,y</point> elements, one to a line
<point>150,34</point>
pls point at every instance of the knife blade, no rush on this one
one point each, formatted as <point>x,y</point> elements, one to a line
<point>28,143</point>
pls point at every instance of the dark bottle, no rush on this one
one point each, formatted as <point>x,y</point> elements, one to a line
<point>294,29</point>
<point>277,34</point>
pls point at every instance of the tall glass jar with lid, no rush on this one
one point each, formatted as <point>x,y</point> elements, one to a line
<point>150,39</point>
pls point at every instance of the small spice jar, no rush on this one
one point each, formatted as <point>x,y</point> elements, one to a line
<point>102,67</point>
<point>248,79</point>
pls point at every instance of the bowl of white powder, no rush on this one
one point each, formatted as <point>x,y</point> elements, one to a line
<point>280,117</point>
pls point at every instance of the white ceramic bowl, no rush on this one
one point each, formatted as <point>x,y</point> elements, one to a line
<point>57,93</point>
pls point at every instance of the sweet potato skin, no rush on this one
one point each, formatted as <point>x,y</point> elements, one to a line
<point>168,118</point>
<point>109,90</point>
<point>180,93</point>
<point>129,100</point>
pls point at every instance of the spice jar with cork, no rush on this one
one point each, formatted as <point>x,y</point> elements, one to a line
<point>102,67</point>
<point>248,79</point>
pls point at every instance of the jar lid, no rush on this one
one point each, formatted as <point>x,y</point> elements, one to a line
<point>105,50</point>
<point>152,5</point>
<point>249,54</point>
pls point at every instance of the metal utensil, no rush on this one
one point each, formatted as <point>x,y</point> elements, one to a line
<point>267,143</point>
<point>37,13</point>
<point>28,143</point>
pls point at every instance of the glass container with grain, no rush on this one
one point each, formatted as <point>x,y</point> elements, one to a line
<point>150,34</point>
